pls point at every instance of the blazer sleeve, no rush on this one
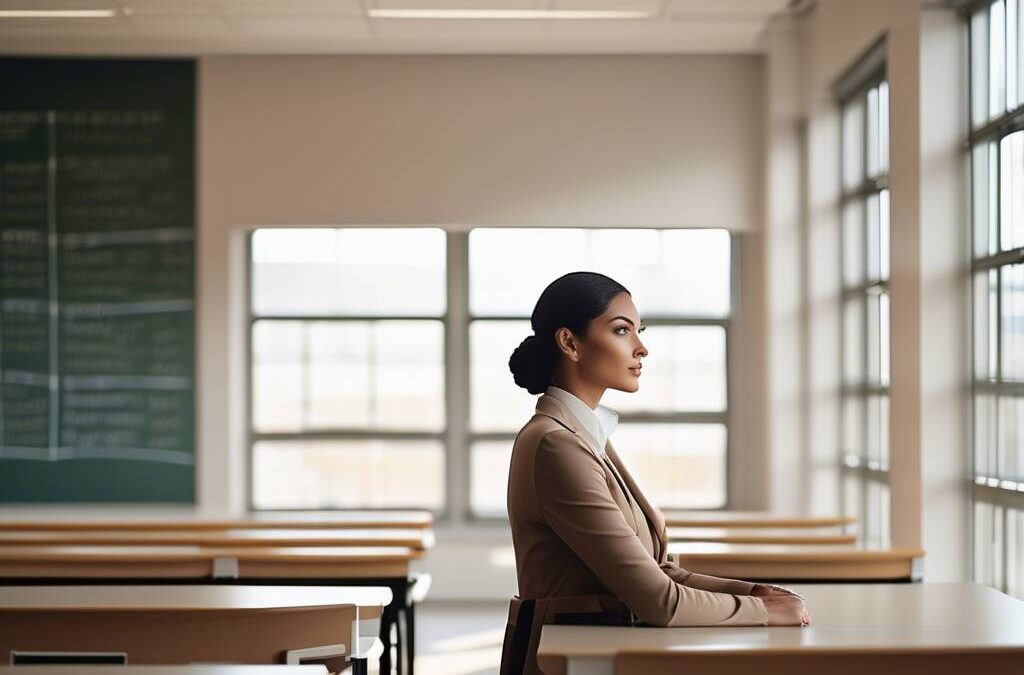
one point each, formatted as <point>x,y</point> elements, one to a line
<point>706,582</point>
<point>575,500</point>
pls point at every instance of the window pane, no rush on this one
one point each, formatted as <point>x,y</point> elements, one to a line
<point>883,126</point>
<point>986,328</point>
<point>1011,190</point>
<point>853,500</point>
<point>984,560</point>
<point>853,341</point>
<point>1012,96</point>
<point>677,465</point>
<point>684,371</point>
<point>985,444</point>
<point>873,132</point>
<point>497,403</point>
<point>853,427</point>
<point>883,235</point>
<point>874,247</point>
<point>496,255</point>
<point>1011,438</point>
<point>876,516</point>
<point>489,464</point>
<point>997,59</point>
<point>853,143</point>
<point>985,192</point>
<point>348,374</point>
<point>343,474</point>
<point>878,339</point>
<point>692,276</point>
<point>853,242</point>
<point>669,272</point>
<point>349,272</point>
<point>878,432</point>
<point>1012,324</point>
<point>1015,552</point>
<point>979,68</point>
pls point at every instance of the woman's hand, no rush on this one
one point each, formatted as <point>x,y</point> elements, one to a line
<point>785,609</point>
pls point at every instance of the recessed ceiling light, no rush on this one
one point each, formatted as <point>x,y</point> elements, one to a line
<point>57,13</point>
<point>414,13</point>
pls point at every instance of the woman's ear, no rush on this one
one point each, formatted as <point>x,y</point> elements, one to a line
<point>567,343</point>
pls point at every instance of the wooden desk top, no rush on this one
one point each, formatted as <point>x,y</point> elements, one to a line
<point>749,519</point>
<point>411,537</point>
<point>200,562</point>
<point>844,618</point>
<point>161,598</point>
<point>208,553</point>
<point>758,535</point>
<point>782,552</point>
<point>776,562</point>
<point>263,520</point>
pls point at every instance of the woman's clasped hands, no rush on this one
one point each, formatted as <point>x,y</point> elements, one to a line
<point>785,607</point>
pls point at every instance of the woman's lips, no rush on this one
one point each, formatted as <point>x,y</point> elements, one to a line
<point>635,371</point>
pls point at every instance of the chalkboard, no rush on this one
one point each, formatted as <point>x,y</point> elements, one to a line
<point>97,280</point>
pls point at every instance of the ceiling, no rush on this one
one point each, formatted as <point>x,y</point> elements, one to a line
<point>190,27</point>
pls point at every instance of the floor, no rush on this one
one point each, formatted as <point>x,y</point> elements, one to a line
<point>458,638</point>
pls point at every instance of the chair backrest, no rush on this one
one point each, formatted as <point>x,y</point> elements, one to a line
<point>517,636</point>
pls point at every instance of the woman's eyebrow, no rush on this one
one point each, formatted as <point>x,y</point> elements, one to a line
<point>630,321</point>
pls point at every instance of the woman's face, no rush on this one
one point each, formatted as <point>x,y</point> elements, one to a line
<point>612,352</point>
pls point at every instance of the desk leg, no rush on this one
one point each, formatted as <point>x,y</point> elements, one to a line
<point>385,637</point>
<point>410,636</point>
<point>400,656</point>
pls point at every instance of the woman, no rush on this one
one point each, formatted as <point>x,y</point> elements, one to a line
<point>589,546</point>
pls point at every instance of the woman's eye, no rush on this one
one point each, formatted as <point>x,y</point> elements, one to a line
<point>625,328</point>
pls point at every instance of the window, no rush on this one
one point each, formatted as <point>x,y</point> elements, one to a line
<point>379,362</point>
<point>347,368</point>
<point>997,270</point>
<point>864,223</point>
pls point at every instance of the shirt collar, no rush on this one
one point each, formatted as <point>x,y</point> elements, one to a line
<point>600,422</point>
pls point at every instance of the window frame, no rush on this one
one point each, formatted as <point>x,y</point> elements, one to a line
<point>457,436</point>
<point>990,493</point>
<point>868,72</point>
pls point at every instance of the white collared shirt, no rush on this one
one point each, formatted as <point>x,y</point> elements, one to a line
<point>600,422</point>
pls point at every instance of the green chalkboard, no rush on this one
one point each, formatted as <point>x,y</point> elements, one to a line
<point>97,280</point>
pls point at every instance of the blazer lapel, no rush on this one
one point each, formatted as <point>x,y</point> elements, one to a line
<point>653,515</point>
<point>555,409</point>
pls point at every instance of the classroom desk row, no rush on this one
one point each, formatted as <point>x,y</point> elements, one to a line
<point>782,563</point>
<point>387,566</point>
<point>347,548</point>
<point>882,629</point>
<point>174,625</point>
<point>291,520</point>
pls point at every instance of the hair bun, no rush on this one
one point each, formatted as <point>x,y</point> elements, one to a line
<point>529,366</point>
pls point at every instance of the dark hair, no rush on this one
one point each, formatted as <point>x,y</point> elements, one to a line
<point>572,300</point>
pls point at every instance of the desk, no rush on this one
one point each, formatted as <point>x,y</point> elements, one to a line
<point>415,538</point>
<point>248,565</point>
<point>748,519</point>
<point>292,520</point>
<point>757,562</point>
<point>882,629</point>
<point>180,625</point>
<point>794,536</point>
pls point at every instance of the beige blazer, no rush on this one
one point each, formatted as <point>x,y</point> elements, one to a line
<point>579,536</point>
